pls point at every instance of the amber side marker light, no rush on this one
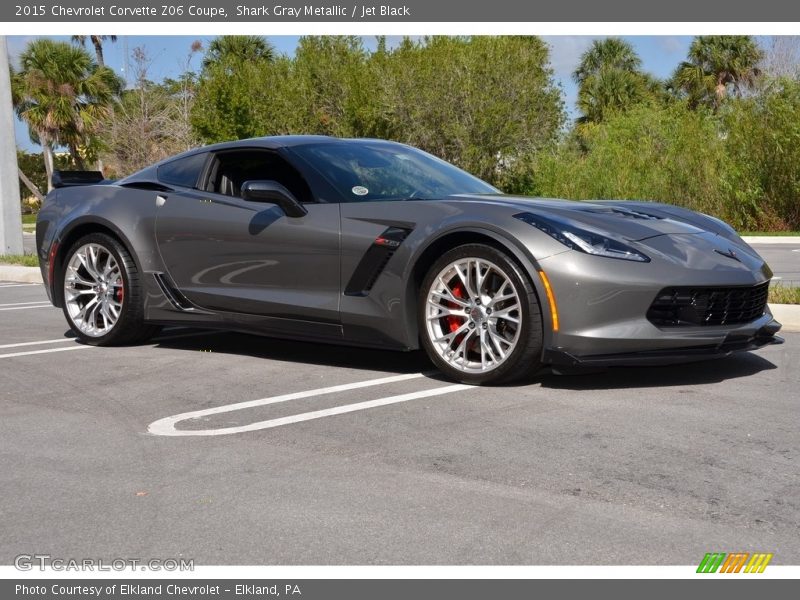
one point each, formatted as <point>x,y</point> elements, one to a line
<point>551,299</point>
<point>51,264</point>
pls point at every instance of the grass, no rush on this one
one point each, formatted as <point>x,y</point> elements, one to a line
<point>28,260</point>
<point>29,222</point>
<point>782,294</point>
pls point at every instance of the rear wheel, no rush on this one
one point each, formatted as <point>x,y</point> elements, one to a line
<point>480,319</point>
<point>103,299</point>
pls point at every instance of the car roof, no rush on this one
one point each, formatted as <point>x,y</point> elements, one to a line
<point>272,142</point>
<point>282,141</point>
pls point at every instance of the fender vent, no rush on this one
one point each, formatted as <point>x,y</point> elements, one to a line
<point>172,294</point>
<point>374,261</point>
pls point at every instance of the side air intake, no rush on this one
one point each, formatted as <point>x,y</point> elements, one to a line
<point>374,261</point>
<point>172,294</point>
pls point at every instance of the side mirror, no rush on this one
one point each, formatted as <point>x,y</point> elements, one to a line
<point>274,193</point>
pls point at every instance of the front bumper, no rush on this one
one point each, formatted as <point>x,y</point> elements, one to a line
<point>603,305</point>
<point>732,343</point>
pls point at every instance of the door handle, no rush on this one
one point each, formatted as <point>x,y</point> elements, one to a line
<point>160,200</point>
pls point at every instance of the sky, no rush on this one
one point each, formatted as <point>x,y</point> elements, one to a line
<point>168,57</point>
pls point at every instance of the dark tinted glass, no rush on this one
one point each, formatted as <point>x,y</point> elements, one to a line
<point>233,168</point>
<point>183,171</point>
<point>379,171</point>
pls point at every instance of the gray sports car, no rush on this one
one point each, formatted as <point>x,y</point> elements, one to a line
<point>374,243</point>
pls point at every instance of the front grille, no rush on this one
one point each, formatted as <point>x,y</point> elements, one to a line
<point>691,306</point>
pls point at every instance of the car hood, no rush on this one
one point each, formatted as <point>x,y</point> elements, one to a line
<point>636,223</point>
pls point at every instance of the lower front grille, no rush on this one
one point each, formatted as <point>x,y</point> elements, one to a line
<point>692,306</point>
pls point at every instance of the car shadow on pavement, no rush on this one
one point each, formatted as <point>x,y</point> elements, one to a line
<point>369,359</point>
<point>310,353</point>
<point>738,365</point>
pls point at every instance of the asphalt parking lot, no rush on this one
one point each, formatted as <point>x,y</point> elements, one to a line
<point>784,260</point>
<point>631,466</point>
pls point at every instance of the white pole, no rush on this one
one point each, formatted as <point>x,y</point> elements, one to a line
<point>10,214</point>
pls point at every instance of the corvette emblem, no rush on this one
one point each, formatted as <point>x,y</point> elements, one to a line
<point>730,254</point>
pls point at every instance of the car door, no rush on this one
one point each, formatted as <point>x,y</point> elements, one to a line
<point>225,253</point>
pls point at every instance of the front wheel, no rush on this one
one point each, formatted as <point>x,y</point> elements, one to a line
<point>480,319</point>
<point>103,299</point>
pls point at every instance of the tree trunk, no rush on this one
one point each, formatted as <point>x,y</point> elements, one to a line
<point>30,185</point>
<point>77,158</point>
<point>98,50</point>
<point>47,151</point>
<point>719,93</point>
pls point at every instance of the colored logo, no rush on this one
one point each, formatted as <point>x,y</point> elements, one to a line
<point>735,562</point>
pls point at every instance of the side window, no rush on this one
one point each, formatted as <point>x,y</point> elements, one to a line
<point>232,169</point>
<point>183,171</point>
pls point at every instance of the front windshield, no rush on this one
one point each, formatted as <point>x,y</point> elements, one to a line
<point>378,171</point>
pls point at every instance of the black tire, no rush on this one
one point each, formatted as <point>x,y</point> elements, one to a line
<point>130,327</point>
<point>525,358</point>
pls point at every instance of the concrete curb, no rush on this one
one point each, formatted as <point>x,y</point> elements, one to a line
<point>20,274</point>
<point>787,314</point>
<point>771,239</point>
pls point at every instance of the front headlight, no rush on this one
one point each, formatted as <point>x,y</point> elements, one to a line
<point>582,240</point>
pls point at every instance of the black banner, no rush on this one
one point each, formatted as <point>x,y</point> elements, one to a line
<point>397,11</point>
<point>416,589</point>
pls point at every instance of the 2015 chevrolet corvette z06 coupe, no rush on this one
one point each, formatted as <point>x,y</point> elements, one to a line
<point>374,243</point>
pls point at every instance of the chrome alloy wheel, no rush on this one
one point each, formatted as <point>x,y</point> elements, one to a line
<point>93,290</point>
<point>473,315</point>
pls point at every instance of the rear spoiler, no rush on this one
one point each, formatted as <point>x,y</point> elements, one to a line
<point>63,179</point>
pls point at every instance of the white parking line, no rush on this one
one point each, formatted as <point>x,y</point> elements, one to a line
<point>20,344</point>
<point>48,305</point>
<point>82,346</point>
<point>21,303</point>
<point>48,351</point>
<point>166,426</point>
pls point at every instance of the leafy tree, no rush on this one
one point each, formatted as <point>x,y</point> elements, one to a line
<point>717,65</point>
<point>484,103</point>
<point>32,165</point>
<point>227,107</point>
<point>63,97</point>
<point>650,152</point>
<point>332,85</point>
<point>763,142</point>
<point>97,42</point>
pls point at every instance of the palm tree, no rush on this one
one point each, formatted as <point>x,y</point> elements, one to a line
<point>63,96</point>
<point>610,79</point>
<point>610,53</point>
<point>716,65</point>
<point>613,90</point>
<point>251,48</point>
<point>97,42</point>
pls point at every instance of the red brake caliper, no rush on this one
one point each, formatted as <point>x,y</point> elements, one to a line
<point>120,294</point>
<point>454,322</point>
